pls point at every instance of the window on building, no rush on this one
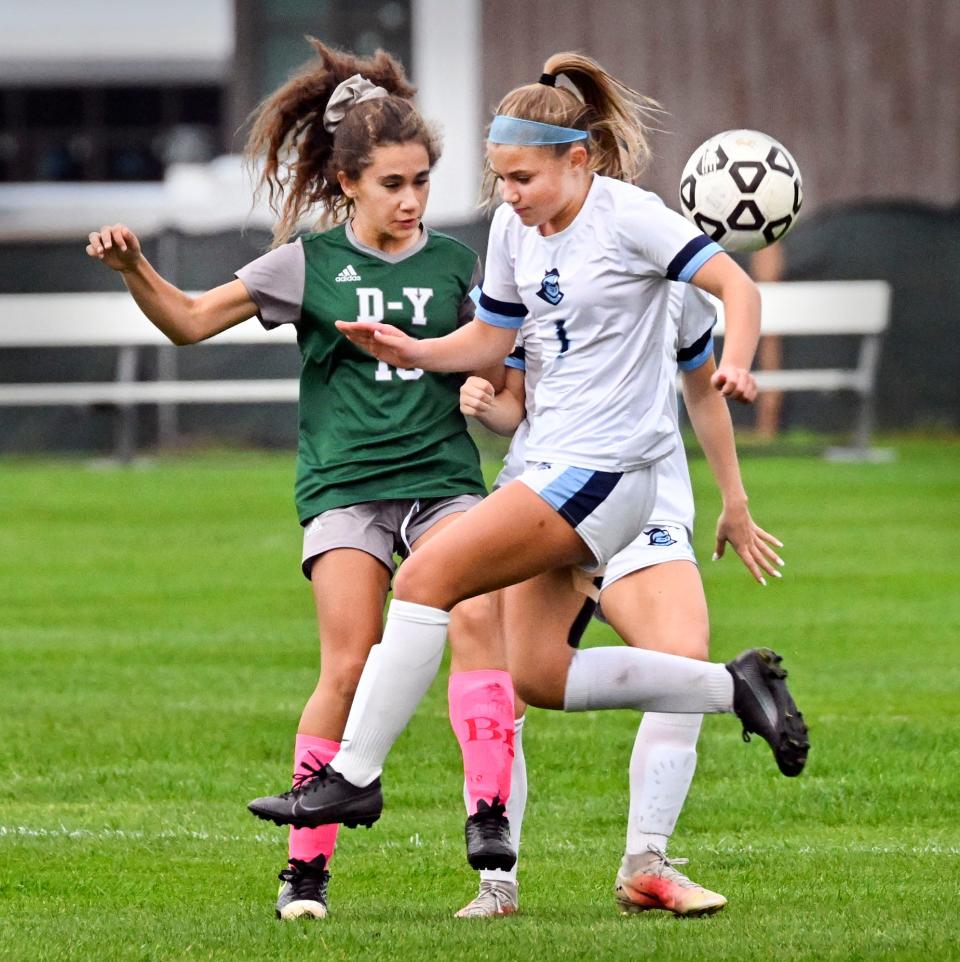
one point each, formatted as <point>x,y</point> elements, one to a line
<point>107,133</point>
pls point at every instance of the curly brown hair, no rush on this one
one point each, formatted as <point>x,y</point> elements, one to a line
<point>301,159</point>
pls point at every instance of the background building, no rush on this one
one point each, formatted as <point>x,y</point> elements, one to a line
<point>135,112</point>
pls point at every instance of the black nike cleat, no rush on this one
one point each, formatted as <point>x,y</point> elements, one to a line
<point>303,889</point>
<point>324,797</point>
<point>763,704</point>
<point>488,838</point>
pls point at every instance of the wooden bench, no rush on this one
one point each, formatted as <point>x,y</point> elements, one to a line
<point>58,321</point>
<point>829,308</point>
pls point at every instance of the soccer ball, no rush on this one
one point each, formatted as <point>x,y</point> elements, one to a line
<point>742,189</point>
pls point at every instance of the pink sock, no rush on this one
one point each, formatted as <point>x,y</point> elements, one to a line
<point>481,715</point>
<point>307,843</point>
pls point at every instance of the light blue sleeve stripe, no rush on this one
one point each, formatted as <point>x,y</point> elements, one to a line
<point>474,295</point>
<point>561,489</point>
<point>693,363</point>
<point>515,362</point>
<point>698,260</point>
<point>498,320</point>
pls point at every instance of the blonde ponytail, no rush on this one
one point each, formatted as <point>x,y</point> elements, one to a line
<point>617,117</point>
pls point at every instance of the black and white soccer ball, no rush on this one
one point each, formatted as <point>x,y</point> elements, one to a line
<point>742,189</point>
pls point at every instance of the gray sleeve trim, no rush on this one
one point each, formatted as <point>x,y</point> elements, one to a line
<point>468,306</point>
<point>275,283</point>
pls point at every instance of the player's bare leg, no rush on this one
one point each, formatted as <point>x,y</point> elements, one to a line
<point>481,710</point>
<point>486,727</point>
<point>499,891</point>
<point>498,894</point>
<point>349,589</point>
<point>509,537</point>
<point>472,647</point>
<point>538,615</point>
<point>660,608</point>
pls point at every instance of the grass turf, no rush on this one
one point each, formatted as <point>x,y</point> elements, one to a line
<point>157,643</point>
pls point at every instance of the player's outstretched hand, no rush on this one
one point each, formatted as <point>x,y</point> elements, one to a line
<point>384,341</point>
<point>736,383</point>
<point>116,246</point>
<point>476,396</point>
<point>754,545</point>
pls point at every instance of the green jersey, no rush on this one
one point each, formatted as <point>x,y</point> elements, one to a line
<point>370,432</point>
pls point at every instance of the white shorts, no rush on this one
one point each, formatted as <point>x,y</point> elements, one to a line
<point>607,509</point>
<point>659,541</point>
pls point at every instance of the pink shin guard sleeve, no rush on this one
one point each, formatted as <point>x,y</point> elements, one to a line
<point>481,715</point>
<point>308,843</point>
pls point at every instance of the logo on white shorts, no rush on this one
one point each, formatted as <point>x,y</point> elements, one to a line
<point>659,537</point>
<point>347,275</point>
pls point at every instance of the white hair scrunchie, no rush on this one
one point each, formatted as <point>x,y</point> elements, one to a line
<point>352,91</point>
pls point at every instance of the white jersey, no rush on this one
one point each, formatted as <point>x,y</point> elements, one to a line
<point>688,345</point>
<point>597,296</point>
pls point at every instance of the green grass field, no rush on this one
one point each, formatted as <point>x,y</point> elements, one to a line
<point>157,643</point>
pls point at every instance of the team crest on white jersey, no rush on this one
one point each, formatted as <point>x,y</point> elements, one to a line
<point>550,287</point>
<point>659,537</point>
<point>347,275</point>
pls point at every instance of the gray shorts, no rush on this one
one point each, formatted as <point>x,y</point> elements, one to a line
<point>381,528</point>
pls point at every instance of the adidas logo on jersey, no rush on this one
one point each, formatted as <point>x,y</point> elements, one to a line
<point>347,275</point>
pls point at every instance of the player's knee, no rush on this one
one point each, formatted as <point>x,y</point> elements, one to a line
<point>415,583</point>
<point>407,583</point>
<point>476,623</point>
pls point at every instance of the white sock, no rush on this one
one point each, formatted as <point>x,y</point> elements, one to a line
<point>516,804</point>
<point>661,768</point>
<point>399,676</point>
<point>647,681</point>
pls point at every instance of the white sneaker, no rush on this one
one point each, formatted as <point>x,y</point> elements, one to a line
<point>650,881</point>
<point>494,898</point>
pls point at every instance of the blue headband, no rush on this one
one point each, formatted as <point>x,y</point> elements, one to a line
<point>531,133</point>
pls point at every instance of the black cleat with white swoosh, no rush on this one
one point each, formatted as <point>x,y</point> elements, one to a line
<point>764,705</point>
<point>325,798</point>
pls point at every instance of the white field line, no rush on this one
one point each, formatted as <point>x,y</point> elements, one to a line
<point>122,834</point>
<point>193,835</point>
<point>417,841</point>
